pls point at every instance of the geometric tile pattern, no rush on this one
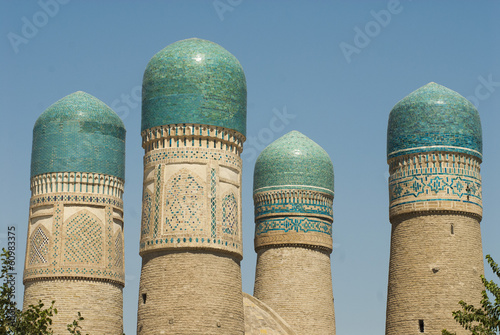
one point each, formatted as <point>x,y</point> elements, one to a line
<point>202,155</point>
<point>39,248</point>
<point>109,238</point>
<point>312,206</point>
<point>84,239</point>
<point>146,213</point>
<point>157,201</point>
<point>79,198</point>
<point>119,251</point>
<point>230,215</point>
<point>184,203</point>
<point>213,202</point>
<point>446,185</point>
<point>293,224</point>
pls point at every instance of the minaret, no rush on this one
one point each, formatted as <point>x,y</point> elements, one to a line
<point>293,195</point>
<point>434,151</point>
<point>193,129</point>
<point>74,253</point>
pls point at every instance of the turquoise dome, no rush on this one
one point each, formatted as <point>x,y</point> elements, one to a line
<point>79,133</point>
<point>434,118</point>
<point>293,161</point>
<point>194,81</point>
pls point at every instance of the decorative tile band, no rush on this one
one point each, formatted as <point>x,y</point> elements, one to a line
<point>175,242</point>
<point>53,198</point>
<point>293,217</point>
<point>72,272</point>
<point>435,181</point>
<point>293,224</point>
<point>445,148</point>
<point>293,202</point>
<point>192,155</point>
<point>192,135</point>
<point>77,182</point>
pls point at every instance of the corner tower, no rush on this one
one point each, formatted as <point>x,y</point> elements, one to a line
<point>293,195</point>
<point>74,251</point>
<point>193,129</point>
<point>434,151</point>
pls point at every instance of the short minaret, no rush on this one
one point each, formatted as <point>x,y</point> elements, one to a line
<point>293,195</point>
<point>74,253</point>
<point>434,151</point>
<point>193,129</point>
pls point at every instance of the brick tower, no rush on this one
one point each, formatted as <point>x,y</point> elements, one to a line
<point>193,129</point>
<point>74,253</point>
<point>434,151</point>
<point>293,195</point>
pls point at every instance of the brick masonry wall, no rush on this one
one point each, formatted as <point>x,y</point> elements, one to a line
<point>296,283</point>
<point>431,270</point>
<point>100,303</point>
<point>190,292</point>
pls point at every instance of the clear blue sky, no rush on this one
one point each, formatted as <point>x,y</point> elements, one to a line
<point>293,57</point>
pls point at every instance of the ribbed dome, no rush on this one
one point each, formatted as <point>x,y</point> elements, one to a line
<point>79,133</point>
<point>194,81</point>
<point>293,161</point>
<point>434,118</point>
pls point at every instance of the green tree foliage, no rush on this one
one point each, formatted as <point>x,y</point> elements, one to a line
<point>486,319</point>
<point>35,320</point>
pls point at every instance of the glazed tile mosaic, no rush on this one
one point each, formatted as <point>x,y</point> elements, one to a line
<point>434,118</point>
<point>194,81</point>
<point>293,161</point>
<point>79,133</point>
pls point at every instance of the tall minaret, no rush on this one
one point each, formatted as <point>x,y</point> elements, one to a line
<point>434,151</point>
<point>193,129</point>
<point>74,253</point>
<point>293,195</point>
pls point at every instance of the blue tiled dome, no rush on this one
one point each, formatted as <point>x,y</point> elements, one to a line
<point>194,81</point>
<point>79,133</point>
<point>293,161</point>
<point>434,118</point>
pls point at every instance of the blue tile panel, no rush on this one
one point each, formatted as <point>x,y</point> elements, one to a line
<point>194,81</point>
<point>293,161</point>
<point>293,224</point>
<point>449,187</point>
<point>434,118</point>
<point>79,133</point>
<point>285,206</point>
